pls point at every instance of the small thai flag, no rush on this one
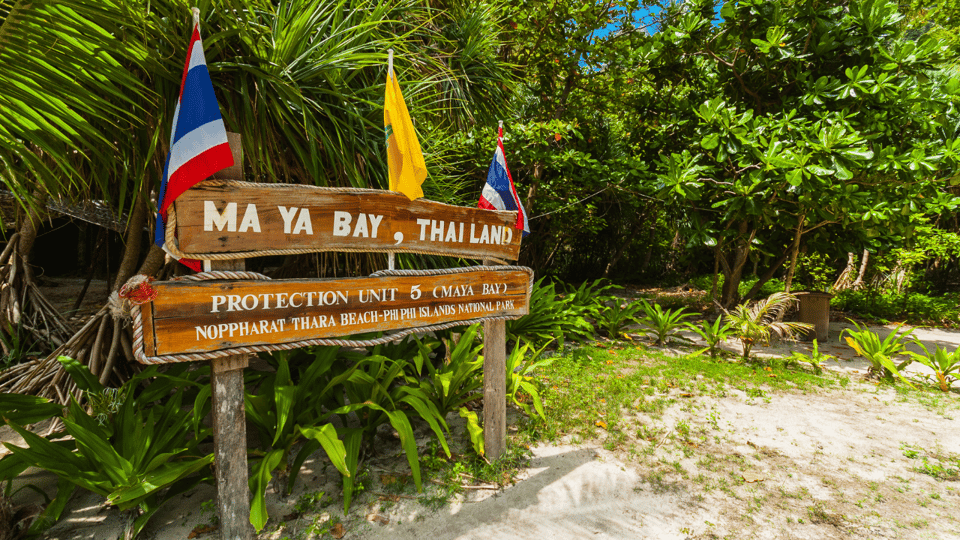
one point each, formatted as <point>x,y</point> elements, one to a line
<point>198,138</point>
<point>499,192</point>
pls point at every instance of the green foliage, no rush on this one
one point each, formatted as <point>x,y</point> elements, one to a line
<point>814,273</point>
<point>288,406</point>
<point>705,283</point>
<point>617,316</point>
<point>455,382</point>
<point>880,353</point>
<point>913,307</point>
<point>714,334</point>
<point>944,364</point>
<point>474,431</point>
<point>756,324</point>
<point>17,346</point>
<point>551,317</point>
<point>140,454</point>
<point>815,358</point>
<point>375,393</point>
<point>781,112</point>
<point>520,364</point>
<point>663,325</point>
<point>590,299</point>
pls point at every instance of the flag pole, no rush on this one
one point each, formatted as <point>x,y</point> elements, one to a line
<point>391,256</point>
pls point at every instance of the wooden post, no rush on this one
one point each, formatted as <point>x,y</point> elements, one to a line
<point>230,438</point>
<point>494,387</point>
<point>229,415</point>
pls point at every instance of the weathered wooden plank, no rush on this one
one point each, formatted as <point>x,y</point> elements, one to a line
<point>494,387</point>
<point>230,438</point>
<point>218,315</point>
<point>234,172</point>
<point>146,315</point>
<point>247,219</point>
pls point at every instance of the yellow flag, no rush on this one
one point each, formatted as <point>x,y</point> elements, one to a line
<point>404,158</point>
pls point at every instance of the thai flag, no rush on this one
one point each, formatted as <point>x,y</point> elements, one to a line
<point>198,138</point>
<point>499,192</point>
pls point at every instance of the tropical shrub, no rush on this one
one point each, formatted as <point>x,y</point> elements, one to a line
<point>705,283</point>
<point>453,383</point>
<point>551,317</point>
<point>136,447</point>
<point>880,353</point>
<point>944,364</point>
<point>617,316</point>
<point>289,407</point>
<point>714,334</point>
<point>590,299</point>
<point>755,324</point>
<point>520,364</point>
<point>375,392</point>
<point>913,307</point>
<point>661,324</point>
<point>815,358</point>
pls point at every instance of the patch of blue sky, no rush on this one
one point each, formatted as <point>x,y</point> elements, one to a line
<point>644,19</point>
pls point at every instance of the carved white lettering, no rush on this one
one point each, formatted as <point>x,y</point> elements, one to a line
<point>250,219</point>
<point>287,214</point>
<point>303,222</point>
<point>341,223</point>
<point>211,217</point>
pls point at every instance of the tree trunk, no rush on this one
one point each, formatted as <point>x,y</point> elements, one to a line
<point>134,241</point>
<point>844,282</point>
<point>863,270</point>
<point>153,262</point>
<point>28,235</point>
<point>794,251</point>
<point>767,276</point>
<point>733,263</point>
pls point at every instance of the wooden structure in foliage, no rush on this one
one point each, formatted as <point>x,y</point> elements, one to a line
<point>222,316</point>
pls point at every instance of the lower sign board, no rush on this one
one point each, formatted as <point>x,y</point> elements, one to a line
<point>199,317</point>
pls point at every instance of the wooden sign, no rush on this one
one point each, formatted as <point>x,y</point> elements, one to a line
<point>248,220</point>
<point>196,317</point>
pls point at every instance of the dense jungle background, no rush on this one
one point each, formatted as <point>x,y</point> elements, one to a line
<point>737,148</point>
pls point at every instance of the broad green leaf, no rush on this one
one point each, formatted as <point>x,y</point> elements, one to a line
<point>130,495</point>
<point>474,430</point>
<point>24,410</point>
<point>261,477</point>
<point>51,514</point>
<point>710,141</point>
<point>326,436</point>
<point>80,374</point>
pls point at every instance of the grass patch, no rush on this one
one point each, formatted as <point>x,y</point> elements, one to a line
<point>936,463</point>
<point>589,391</point>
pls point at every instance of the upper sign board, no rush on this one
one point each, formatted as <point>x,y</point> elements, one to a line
<point>248,219</point>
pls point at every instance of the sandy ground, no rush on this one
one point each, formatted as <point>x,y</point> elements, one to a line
<point>838,463</point>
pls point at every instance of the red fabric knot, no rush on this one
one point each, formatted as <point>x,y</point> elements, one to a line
<point>138,290</point>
